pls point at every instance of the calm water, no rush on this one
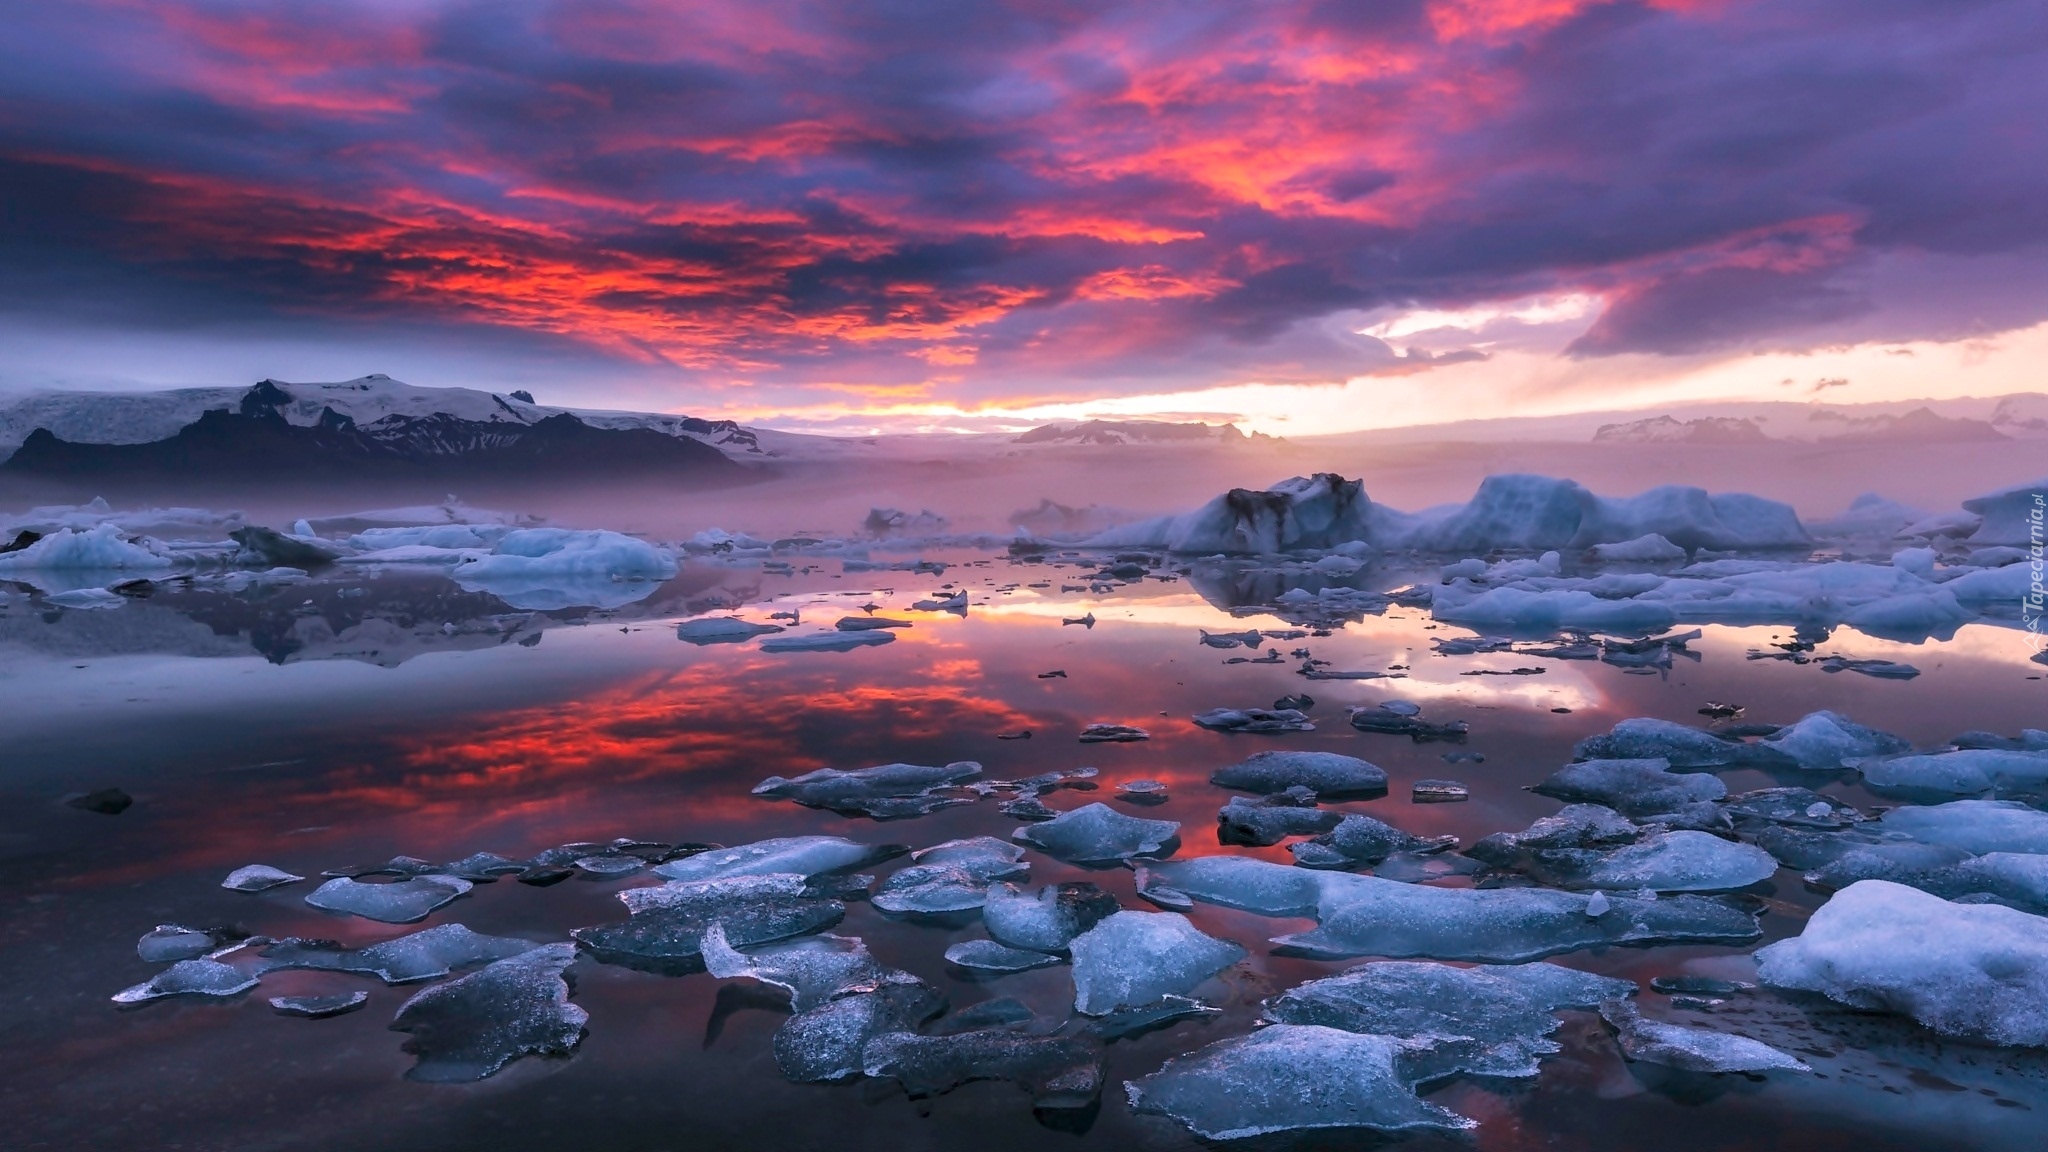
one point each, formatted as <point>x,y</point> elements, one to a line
<point>339,723</point>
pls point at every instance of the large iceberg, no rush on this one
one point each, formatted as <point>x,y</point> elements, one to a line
<point>103,547</point>
<point>2012,515</point>
<point>548,568</point>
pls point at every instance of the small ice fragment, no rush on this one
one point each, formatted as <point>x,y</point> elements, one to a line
<point>722,630</point>
<point>1697,986</point>
<point>826,641</point>
<point>257,877</point>
<point>1440,792</point>
<point>799,855</point>
<point>319,1007</point>
<point>168,942</point>
<point>814,970</point>
<point>1113,734</point>
<point>1691,1049</point>
<point>1099,834</point>
<point>1267,820</point>
<point>868,623</point>
<point>1327,774</point>
<point>826,1042</point>
<point>1128,1022</point>
<point>401,902</point>
<point>1597,905</point>
<point>471,1026</point>
<point>1289,1077</point>
<point>1643,787</point>
<point>1133,958</point>
<point>1360,840</point>
<point>1141,792</point>
<point>188,978</point>
<point>951,877</point>
<point>886,791</point>
<point>1254,720</point>
<point>668,924</point>
<point>1058,1071</point>
<point>1819,809</point>
<point>1048,921</point>
<point>423,955</point>
<point>989,956</point>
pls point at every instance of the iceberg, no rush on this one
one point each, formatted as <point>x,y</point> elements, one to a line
<point>102,548</point>
<point>1099,834</point>
<point>200,977</point>
<point>1131,959</point>
<point>1691,1049</point>
<point>887,791</point>
<point>1647,549</point>
<point>542,569</point>
<point>2008,515</point>
<point>1319,511</point>
<point>1977,972</point>
<point>1503,1013</point>
<point>827,641</point>
<point>722,630</point>
<point>1327,774</point>
<point>474,1025</point>
<point>1294,1076</point>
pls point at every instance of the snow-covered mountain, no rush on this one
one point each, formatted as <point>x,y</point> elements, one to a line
<point>426,421</point>
<point>1135,432</point>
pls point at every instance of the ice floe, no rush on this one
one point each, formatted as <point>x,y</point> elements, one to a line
<point>828,1042</point>
<point>1060,1072</point>
<point>950,877</point>
<point>474,1025</point>
<point>257,877</point>
<point>422,955</point>
<point>1360,841</point>
<point>1254,720</point>
<point>813,971</point>
<point>1049,920</point>
<point>1133,958</point>
<point>666,926</point>
<point>1691,1049</point>
<point>722,630</point>
<point>1327,774</point>
<point>399,902</point>
<point>826,641</point>
<point>1099,834</point>
<point>199,977</point>
<point>799,855</point>
<point>887,791</point>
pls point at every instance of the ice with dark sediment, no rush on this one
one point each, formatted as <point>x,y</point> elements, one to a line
<point>422,955</point>
<point>1401,718</point>
<point>951,877</point>
<point>1254,720</point>
<point>1826,740</point>
<point>399,902</point>
<point>474,1025</point>
<point>1977,972</point>
<point>1266,820</point>
<point>1328,774</point>
<point>1791,806</point>
<point>1646,738</point>
<point>257,877</point>
<point>1644,787</point>
<point>886,791</point>
<point>1046,921</point>
<point>722,630</point>
<point>814,970</point>
<point>199,977</point>
<point>1133,958</point>
<point>1502,1014</point>
<point>1059,1072</point>
<point>1126,1022</point>
<point>1963,772</point>
<point>1099,834</point>
<point>169,942</point>
<point>1113,734</point>
<point>827,1042</point>
<point>868,623</point>
<point>1574,828</point>
<point>482,867</point>
<point>1691,1049</point>
<point>1293,1077</point>
<point>834,641</point>
<point>989,956</point>
<point>1976,826</point>
<point>667,923</point>
<point>798,855</point>
<point>1359,841</point>
<point>1003,1012</point>
<point>319,1007</point>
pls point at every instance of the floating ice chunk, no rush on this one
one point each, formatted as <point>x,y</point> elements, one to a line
<point>1691,1049</point>
<point>826,641</point>
<point>799,855</point>
<point>951,877</point>
<point>1271,819</point>
<point>1327,774</point>
<point>1930,867</point>
<point>887,791</point>
<point>548,568</point>
<point>1575,828</point>
<point>1979,972</point>
<point>1400,718</point>
<point>1682,862</point>
<point>1647,549</point>
<point>1125,1022</point>
<point>1058,1071</point>
<point>722,630</point>
<point>813,971</point>
<point>1824,740</point>
<point>1048,921</point>
<point>470,1027</point>
<point>257,877</point>
<point>1099,834</point>
<point>989,956</point>
<point>827,1042</point>
<point>1965,772</point>
<point>1976,826</point>
<point>86,598</point>
<point>1503,1011</point>
<point>1644,738</point>
<point>1634,787</point>
<point>956,603</point>
<point>1320,511</point>
<point>1797,807</point>
<point>1133,958</point>
<point>1113,734</point>
<point>167,942</point>
<point>401,902</point>
<point>482,867</point>
<point>319,1007</point>
<point>868,623</point>
<point>189,978</point>
<point>668,923</point>
<point>2010,514</point>
<point>1254,720</point>
<point>103,547</point>
<point>422,955</point>
<point>1239,882</point>
<point>1359,841</point>
<point>1293,1076</point>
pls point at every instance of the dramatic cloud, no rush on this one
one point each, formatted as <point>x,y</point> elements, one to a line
<point>780,201</point>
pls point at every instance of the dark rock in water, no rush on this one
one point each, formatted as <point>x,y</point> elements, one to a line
<point>1440,792</point>
<point>106,801</point>
<point>1058,1071</point>
<point>545,876</point>
<point>1005,1012</point>
<point>1691,1049</point>
<point>828,1042</point>
<point>473,1026</point>
<point>21,541</point>
<point>1299,701</point>
<point>1718,711</point>
<point>136,589</point>
<point>1697,986</point>
<point>1358,841</point>
<point>319,1007</point>
<point>1881,669</point>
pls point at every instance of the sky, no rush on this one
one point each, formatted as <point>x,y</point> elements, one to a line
<point>1303,215</point>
